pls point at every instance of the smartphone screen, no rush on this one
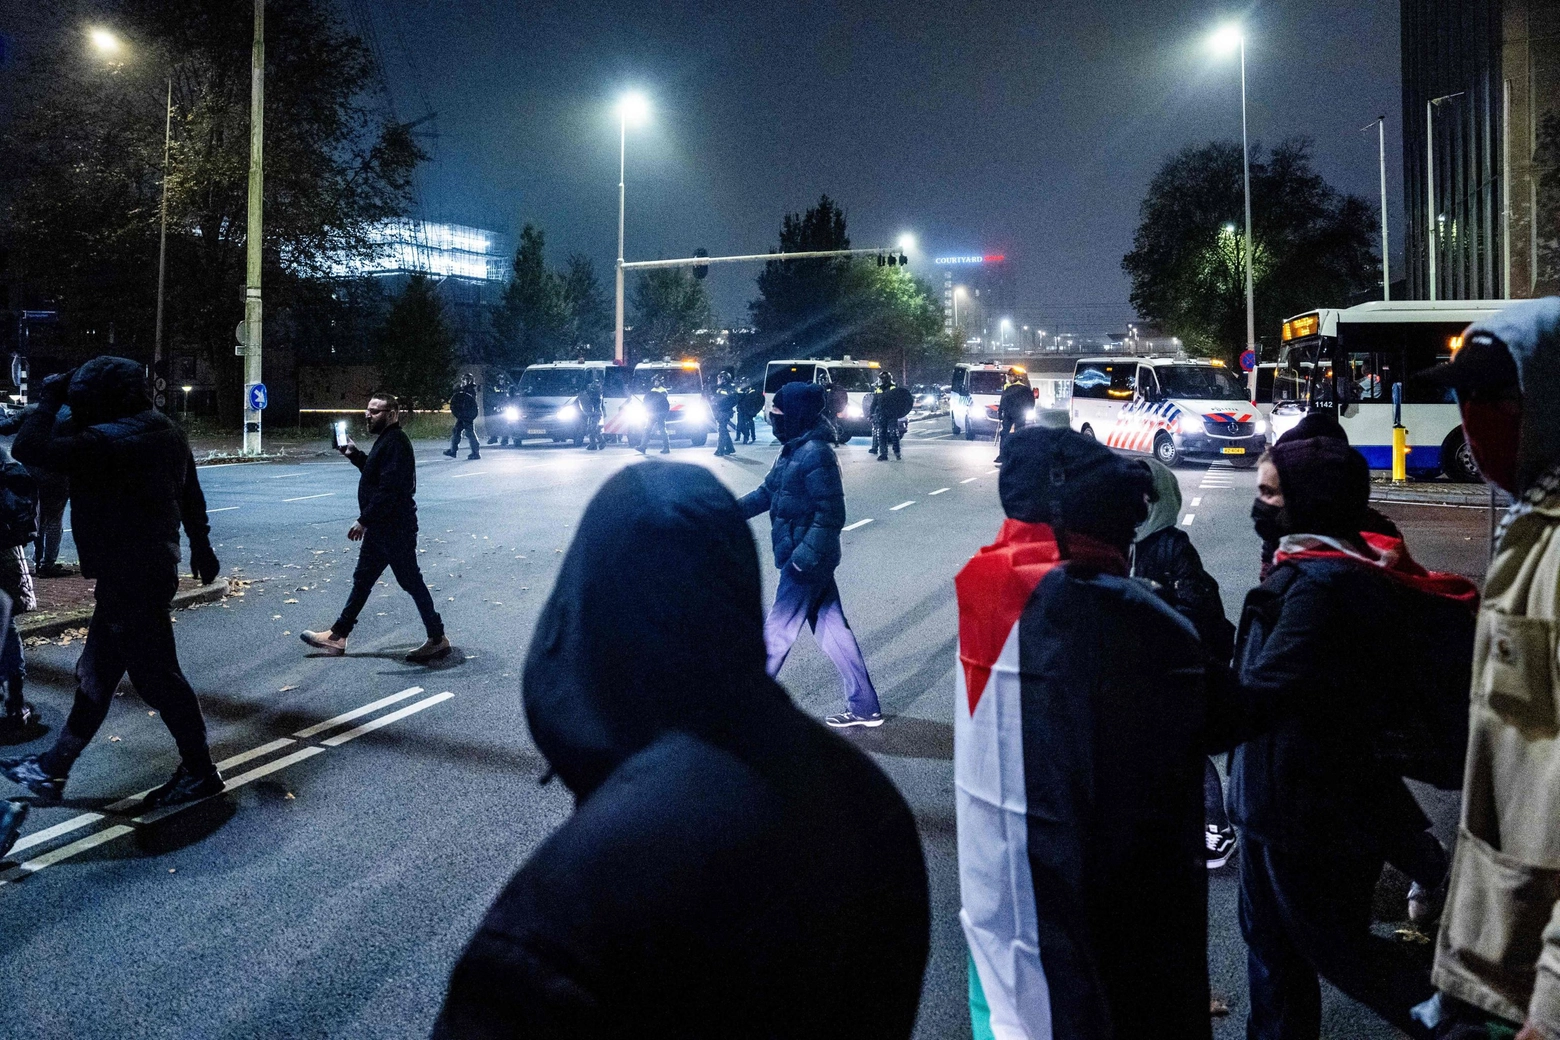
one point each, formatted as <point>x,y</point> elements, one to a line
<point>338,434</point>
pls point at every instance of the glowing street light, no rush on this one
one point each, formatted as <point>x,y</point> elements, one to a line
<point>104,41</point>
<point>907,242</point>
<point>1227,40</point>
<point>634,108</point>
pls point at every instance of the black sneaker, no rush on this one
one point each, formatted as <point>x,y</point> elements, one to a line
<point>849,718</point>
<point>18,721</point>
<point>12,816</point>
<point>184,787</point>
<point>1218,845</point>
<point>473,455</point>
<point>25,771</point>
<point>450,454</point>
<point>55,570</point>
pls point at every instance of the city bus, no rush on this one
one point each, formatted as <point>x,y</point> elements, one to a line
<point>1346,360</point>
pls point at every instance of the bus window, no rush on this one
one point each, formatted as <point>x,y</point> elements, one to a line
<point>782,374</point>
<point>1400,351</point>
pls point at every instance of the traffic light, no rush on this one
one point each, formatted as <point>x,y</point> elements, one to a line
<point>700,270</point>
<point>881,261</point>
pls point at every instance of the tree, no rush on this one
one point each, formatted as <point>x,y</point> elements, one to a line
<point>894,318</point>
<point>799,309</point>
<point>588,325</point>
<point>416,349</point>
<point>670,305</point>
<point>82,167</point>
<point>531,322</point>
<point>1311,245</point>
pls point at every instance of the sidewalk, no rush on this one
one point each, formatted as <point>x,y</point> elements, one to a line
<point>1437,492</point>
<point>65,605</point>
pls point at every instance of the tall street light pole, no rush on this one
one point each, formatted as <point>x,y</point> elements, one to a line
<point>1381,151</point>
<point>252,311</point>
<point>1228,39</point>
<point>633,107</point>
<point>162,242</point>
<point>1430,222</point>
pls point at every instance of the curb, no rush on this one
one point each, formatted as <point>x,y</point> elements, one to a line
<point>52,625</point>
<point>1428,497</point>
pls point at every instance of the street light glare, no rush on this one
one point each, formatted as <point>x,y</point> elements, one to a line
<point>633,108</point>
<point>104,41</point>
<point>1226,40</point>
<point>907,241</point>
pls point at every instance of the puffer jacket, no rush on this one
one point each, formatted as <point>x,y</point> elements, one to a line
<point>806,504</point>
<point>1499,944</point>
<point>1164,555</point>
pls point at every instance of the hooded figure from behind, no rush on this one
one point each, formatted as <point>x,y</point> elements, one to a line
<point>1079,744</point>
<point>708,883</point>
<point>1163,554</point>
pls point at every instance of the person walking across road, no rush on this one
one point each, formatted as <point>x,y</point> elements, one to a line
<point>805,501</point>
<point>724,405</point>
<point>18,526</point>
<point>1013,407</point>
<point>387,527</point>
<point>590,411</point>
<point>1163,556</point>
<point>463,406</point>
<point>658,405</point>
<point>1082,719</point>
<point>133,482</point>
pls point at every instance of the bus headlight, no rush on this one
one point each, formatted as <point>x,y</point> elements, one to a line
<point>568,413</point>
<point>512,414</point>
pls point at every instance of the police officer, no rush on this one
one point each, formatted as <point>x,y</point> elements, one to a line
<point>590,409</point>
<point>463,406</point>
<point>749,403</point>
<point>885,426</point>
<point>657,406</point>
<point>725,405</point>
<point>1012,408</point>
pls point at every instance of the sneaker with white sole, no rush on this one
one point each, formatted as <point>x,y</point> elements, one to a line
<point>1218,845</point>
<point>846,719</point>
<point>328,641</point>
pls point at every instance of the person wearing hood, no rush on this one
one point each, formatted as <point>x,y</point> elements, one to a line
<point>1081,725</point>
<point>1497,961</point>
<point>1163,556</point>
<point>708,885</point>
<point>805,501</point>
<point>1318,804</point>
<point>463,406</point>
<point>133,482</point>
<point>750,401</point>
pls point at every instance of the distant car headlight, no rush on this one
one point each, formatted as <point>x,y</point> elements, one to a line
<point>512,413</point>
<point>568,413</point>
<point>1261,427</point>
<point>853,411</point>
<point>636,413</point>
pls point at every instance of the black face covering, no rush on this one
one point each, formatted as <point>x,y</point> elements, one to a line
<point>1271,522</point>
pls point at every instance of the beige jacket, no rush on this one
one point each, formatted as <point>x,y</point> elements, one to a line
<point>1499,945</point>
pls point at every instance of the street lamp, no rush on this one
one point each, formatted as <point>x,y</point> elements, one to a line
<point>186,390</point>
<point>1227,40</point>
<point>105,41</point>
<point>1430,225</point>
<point>907,242</point>
<point>634,108</point>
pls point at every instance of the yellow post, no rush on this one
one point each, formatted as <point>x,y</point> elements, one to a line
<point>1399,454</point>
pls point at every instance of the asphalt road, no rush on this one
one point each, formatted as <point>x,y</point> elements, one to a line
<point>375,808</point>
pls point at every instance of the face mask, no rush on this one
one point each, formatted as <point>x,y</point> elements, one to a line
<point>1269,520</point>
<point>1494,432</point>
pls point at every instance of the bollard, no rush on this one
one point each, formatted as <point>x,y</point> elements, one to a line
<point>1399,437</point>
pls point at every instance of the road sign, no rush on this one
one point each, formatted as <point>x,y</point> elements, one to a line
<point>257,397</point>
<point>1248,360</point>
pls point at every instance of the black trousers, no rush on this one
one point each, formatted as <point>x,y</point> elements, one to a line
<point>398,551</point>
<point>654,423</point>
<point>886,436</point>
<point>723,445</point>
<point>468,427</point>
<point>593,430</point>
<point>1307,915</point>
<point>746,430</point>
<point>131,632</point>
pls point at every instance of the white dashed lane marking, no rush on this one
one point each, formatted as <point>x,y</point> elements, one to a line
<point>1196,502</point>
<point>858,523</point>
<point>1186,521</point>
<point>224,509</point>
<point>305,498</point>
<point>937,492</point>
<point>969,481</point>
<point>902,505</point>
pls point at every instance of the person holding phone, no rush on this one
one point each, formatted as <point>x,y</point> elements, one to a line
<point>387,527</point>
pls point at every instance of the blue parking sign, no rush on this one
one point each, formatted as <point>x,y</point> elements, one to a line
<point>257,397</point>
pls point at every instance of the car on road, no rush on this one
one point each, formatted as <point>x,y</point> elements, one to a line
<point>544,403</point>
<point>1170,407</point>
<point>690,414</point>
<point>853,382</point>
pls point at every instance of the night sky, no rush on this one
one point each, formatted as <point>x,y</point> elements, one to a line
<point>1029,129</point>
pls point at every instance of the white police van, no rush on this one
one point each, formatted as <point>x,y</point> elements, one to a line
<point>544,401</point>
<point>1171,408</point>
<point>976,394</point>
<point>690,414</point>
<point>854,382</point>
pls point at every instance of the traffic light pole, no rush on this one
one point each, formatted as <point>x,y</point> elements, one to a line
<point>252,311</point>
<point>747,258</point>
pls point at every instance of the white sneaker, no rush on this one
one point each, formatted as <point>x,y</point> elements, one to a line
<point>850,718</point>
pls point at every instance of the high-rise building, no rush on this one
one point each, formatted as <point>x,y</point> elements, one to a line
<point>978,289</point>
<point>1481,147</point>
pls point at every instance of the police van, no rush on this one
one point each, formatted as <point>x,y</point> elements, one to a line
<point>544,402</point>
<point>690,414</point>
<point>852,381</point>
<point>1171,408</point>
<point>976,394</point>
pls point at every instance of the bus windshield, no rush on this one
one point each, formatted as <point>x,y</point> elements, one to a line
<point>553,382</point>
<point>853,378</point>
<point>678,380</point>
<point>1199,383</point>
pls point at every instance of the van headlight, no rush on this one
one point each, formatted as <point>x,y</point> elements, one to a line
<point>568,413</point>
<point>698,411</point>
<point>635,412</point>
<point>512,413</point>
<point>1028,416</point>
<point>1261,427</point>
<point>853,411</point>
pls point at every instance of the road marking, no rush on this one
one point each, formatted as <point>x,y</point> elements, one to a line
<point>470,473</point>
<point>1188,518</point>
<point>332,723</point>
<point>233,783</point>
<point>937,492</point>
<point>305,498</point>
<point>224,509</point>
<point>969,481</point>
<point>48,859</point>
<point>284,476</point>
<point>385,720</point>
<point>1196,502</point>
<point>75,823</point>
<point>858,523</point>
<point>902,505</point>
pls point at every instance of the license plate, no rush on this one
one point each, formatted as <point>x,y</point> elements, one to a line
<point>1233,451</point>
<point>534,432</point>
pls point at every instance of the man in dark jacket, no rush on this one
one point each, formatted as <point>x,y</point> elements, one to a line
<point>590,412</point>
<point>884,412</point>
<point>463,406</point>
<point>657,405</point>
<point>708,885</point>
<point>1013,407</point>
<point>1080,731</point>
<point>749,403</point>
<point>387,527</point>
<point>52,498</point>
<point>1317,810</point>
<point>724,406</point>
<point>132,483</point>
<point>806,505</point>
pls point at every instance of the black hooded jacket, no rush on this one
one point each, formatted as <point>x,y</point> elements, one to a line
<point>803,493</point>
<point>132,477</point>
<point>710,882</point>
